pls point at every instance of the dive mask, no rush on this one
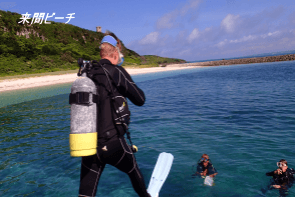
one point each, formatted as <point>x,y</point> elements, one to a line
<point>121,58</point>
<point>281,164</point>
<point>203,159</point>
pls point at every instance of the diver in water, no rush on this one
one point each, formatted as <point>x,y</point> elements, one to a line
<point>205,167</point>
<point>283,177</point>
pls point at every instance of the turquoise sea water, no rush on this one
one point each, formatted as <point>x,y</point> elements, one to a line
<point>242,116</point>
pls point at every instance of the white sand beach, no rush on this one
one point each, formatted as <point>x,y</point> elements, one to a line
<point>15,84</point>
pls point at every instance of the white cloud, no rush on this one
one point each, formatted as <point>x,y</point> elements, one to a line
<point>192,5</point>
<point>236,35</point>
<point>194,35</point>
<point>207,29</point>
<point>222,43</point>
<point>244,39</point>
<point>229,22</point>
<point>185,52</point>
<point>248,38</point>
<point>271,34</point>
<point>274,33</point>
<point>151,38</point>
<point>168,21</point>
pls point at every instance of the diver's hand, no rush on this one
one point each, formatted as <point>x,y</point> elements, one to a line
<point>212,175</point>
<point>276,186</point>
<point>278,171</point>
<point>204,172</point>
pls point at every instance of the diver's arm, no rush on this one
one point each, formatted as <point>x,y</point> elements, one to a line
<point>199,171</point>
<point>292,171</point>
<point>200,174</point>
<point>127,87</point>
<point>272,173</point>
<point>196,174</point>
<point>212,171</point>
<point>213,175</point>
<point>276,186</point>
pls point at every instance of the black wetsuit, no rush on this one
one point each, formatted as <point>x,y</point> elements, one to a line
<point>210,169</point>
<point>286,178</point>
<point>112,147</point>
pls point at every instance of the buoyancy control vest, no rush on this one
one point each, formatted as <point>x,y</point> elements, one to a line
<point>102,75</point>
<point>209,167</point>
<point>285,177</point>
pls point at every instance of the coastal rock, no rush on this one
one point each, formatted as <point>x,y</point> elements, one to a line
<point>254,60</point>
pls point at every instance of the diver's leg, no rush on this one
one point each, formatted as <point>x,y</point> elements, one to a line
<point>283,191</point>
<point>129,165</point>
<point>125,161</point>
<point>91,169</point>
<point>138,182</point>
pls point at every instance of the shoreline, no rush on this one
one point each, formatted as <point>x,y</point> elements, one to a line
<point>39,81</point>
<point>32,82</point>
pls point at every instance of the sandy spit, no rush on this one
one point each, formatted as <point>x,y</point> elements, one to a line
<point>16,84</point>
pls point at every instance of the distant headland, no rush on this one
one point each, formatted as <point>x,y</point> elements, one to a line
<point>253,60</point>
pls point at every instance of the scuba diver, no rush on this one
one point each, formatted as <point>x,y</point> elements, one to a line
<point>205,167</point>
<point>283,177</point>
<point>114,85</point>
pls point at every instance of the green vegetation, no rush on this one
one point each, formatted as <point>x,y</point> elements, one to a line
<point>40,48</point>
<point>156,60</point>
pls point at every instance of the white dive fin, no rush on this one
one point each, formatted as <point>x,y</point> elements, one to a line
<point>208,181</point>
<point>160,173</point>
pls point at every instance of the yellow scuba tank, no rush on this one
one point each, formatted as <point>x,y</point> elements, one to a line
<point>83,100</point>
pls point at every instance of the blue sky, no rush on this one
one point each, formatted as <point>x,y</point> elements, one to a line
<point>188,29</point>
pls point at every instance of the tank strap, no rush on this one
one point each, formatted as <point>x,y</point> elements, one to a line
<point>125,126</point>
<point>82,98</point>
